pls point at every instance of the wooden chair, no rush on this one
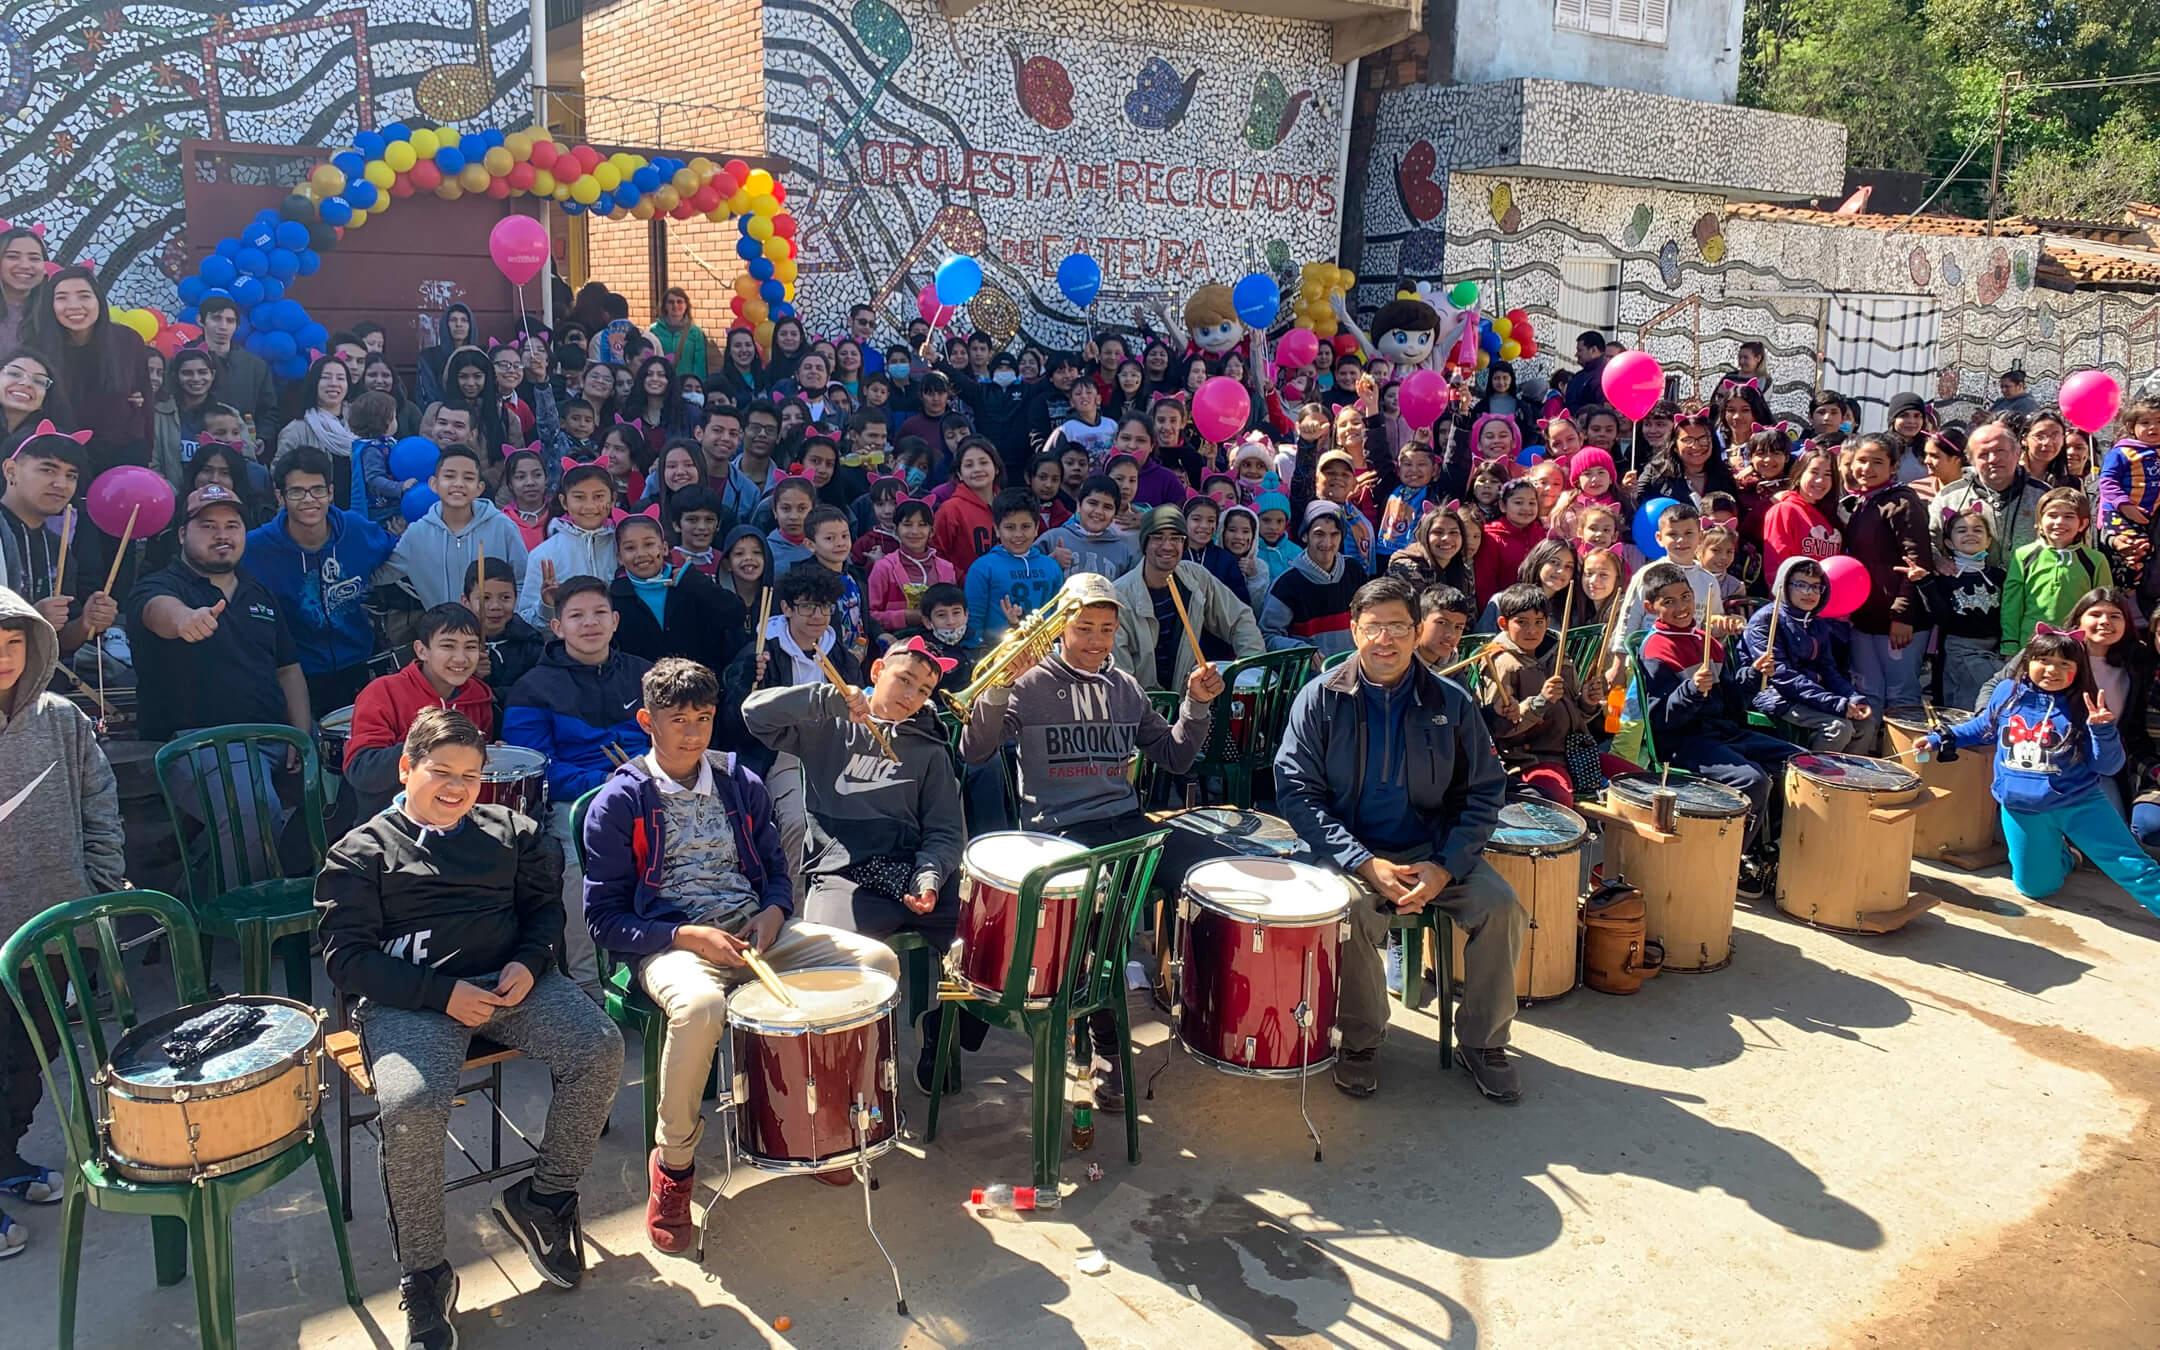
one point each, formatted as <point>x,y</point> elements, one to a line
<point>188,1219</point>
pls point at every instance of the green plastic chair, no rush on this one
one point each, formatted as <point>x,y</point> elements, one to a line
<point>1329,663</point>
<point>186,1218</point>
<point>1008,768</point>
<point>1584,646</point>
<point>1248,722</point>
<point>1117,879</point>
<point>237,892</point>
<point>626,1003</point>
<point>1413,928</point>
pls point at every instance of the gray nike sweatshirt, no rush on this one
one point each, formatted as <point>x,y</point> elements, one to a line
<point>1078,733</point>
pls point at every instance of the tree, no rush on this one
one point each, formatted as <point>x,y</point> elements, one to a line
<point>1866,63</point>
<point>2093,181</point>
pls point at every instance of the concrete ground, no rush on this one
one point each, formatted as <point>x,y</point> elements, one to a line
<point>1942,1137</point>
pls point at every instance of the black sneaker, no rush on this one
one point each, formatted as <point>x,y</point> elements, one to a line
<point>552,1241</point>
<point>428,1298</point>
<point>926,1064</point>
<point>1754,880</point>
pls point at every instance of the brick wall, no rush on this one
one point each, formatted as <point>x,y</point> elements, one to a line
<point>683,79</point>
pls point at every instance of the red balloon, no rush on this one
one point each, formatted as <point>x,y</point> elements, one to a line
<point>682,211</point>
<point>499,188</point>
<point>1529,347</point>
<point>520,176</point>
<point>736,170</point>
<point>735,305</point>
<point>724,185</point>
<point>588,158</point>
<point>402,186</point>
<point>783,225</point>
<point>1345,344</point>
<point>705,198</point>
<point>543,155</point>
<point>926,304</point>
<point>1517,317</point>
<point>779,191</point>
<point>424,175</point>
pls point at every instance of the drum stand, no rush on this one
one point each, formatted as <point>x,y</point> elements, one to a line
<point>859,1118</point>
<point>1302,1015</point>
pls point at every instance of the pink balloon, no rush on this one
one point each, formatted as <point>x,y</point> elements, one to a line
<point>1850,586</point>
<point>519,246</point>
<point>1298,348</point>
<point>929,306</point>
<point>2089,399</point>
<point>1424,397</point>
<point>1220,409</point>
<point>1632,382</point>
<point>117,493</point>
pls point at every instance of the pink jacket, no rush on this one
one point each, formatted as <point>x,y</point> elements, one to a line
<point>891,574</point>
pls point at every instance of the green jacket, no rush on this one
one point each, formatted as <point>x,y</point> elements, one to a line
<point>686,347</point>
<point>2043,584</point>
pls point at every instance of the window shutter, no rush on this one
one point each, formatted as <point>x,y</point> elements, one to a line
<point>1568,14</point>
<point>1598,16</point>
<point>1653,21</point>
<point>1627,18</point>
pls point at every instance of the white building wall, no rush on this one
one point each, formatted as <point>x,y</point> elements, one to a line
<point>1509,39</point>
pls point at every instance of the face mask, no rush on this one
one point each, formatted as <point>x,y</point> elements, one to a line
<point>899,370</point>
<point>914,477</point>
<point>951,637</point>
<point>1845,428</point>
<point>694,398</point>
<point>1002,378</point>
<point>1325,379</point>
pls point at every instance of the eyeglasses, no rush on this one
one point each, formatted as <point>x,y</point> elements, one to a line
<point>1797,586</point>
<point>307,494</point>
<point>22,373</point>
<point>1373,632</point>
<point>810,611</point>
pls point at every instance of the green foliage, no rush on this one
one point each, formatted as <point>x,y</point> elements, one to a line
<point>1865,63</point>
<point>2093,180</point>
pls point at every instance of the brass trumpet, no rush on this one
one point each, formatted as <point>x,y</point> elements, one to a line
<point>1027,642</point>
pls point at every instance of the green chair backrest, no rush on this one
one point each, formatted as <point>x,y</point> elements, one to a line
<point>1143,771</point>
<point>1265,707</point>
<point>603,959</point>
<point>222,791</point>
<point>1642,699</point>
<point>1329,663</point>
<point>58,937</point>
<point>1008,769</point>
<point>1583,648</point>
<point>1116,881</point>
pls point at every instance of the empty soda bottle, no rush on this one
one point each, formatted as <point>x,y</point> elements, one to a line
<point>1001,1201</point>
<point>1083,1127</point>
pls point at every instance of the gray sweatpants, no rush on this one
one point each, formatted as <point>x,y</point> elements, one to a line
<point>1828,733</point>
<point>1483,905</point>
<point>415,1058</point>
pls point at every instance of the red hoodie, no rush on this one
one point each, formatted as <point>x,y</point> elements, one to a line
<point>1796,527</point>
<point>963,530</point>
<point>385,709</point>
<point>1501,556</point>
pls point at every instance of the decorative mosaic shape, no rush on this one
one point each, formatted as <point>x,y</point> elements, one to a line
<point>1638,226</point>
<point>1919,268</point>
<point>1043,89</point>
<point>1952,274</point>
<point>2021,272</point>
<point>1501,202</point>
<point>1418,183</point>
<point>1668,262</point>
<point>992,311</point>
<point>1274,111</point>
<point>1158,99</point>
<point>1996,279</point>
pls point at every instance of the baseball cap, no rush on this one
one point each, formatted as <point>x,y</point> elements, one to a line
<point>209,495</point>
<point>1090,588</point>
<point>1160,519</point>
<point>1336,456</point>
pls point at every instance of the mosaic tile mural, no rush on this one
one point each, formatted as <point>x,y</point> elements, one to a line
<point>96,98</point>
<point>1178,146</point>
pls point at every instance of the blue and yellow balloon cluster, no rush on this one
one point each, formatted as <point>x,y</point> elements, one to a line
<point>765,294</point>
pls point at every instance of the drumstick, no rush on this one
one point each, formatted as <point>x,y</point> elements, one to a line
<point>876,733</point>
<point>766,977</point>
<point>1183,617</point>
<point>1770,647</point>
<point>764,613</point>
<point>1470,660</point>
<point>67,536</point>
<point>120,553</point>
<point>480,575</point>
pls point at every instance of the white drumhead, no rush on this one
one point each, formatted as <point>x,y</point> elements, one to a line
<point>1006,856</point>
<point>1270,890</point>
<point>340,720</point>
<point>823,994</point>
<point>509,763</point>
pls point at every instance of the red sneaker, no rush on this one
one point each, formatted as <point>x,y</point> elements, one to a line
<point>667,1208</point>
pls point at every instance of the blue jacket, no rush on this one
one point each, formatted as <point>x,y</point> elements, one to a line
<point>626,855</point>
<point>1455,781</point>
<point>320,594</point>
<point>2042,761</point>
<point>572,712</point>
<point>1812,654</point>
<point>1028,581</point>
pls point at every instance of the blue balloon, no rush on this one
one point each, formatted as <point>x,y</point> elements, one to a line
<point>397,131</point>
<point>284,264</point>
<point>473,144</point>
<point>253,262</point>
<point>782,310</point>
<point>218,270</point>
<point>191,290</point>
<point>227,249</point>
<point>275,346</point>
<point>312,335</point>
<point>247,292</point>
<point>362,194</point>
<point>414,457</point>
<point>493,136</point>
<point>647,179</point>
<point>1079,277</point>
<point>761,267</point>
<point>573,207</point>
<point>1256,298</point>
<point>272,288</point>
<point>264,220</point>
<point>351,163</point>
<point>291,235</point>
<point>749,250</point>
<point>1490,342</point>
<point>958,280</point>
<point>1646,522</point>
<point>370,146</point>
<point>772,292</point>
<point>310,262</point>
<point>291,368</point>
<point>628,196</point>
<point>260,237</point>
<point>603,204</point>
<point>337,211</point>
<point>450,160</point>
<point>190,314</point>
<point>417,502</point>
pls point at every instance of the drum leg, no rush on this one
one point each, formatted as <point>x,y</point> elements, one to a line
<point>948,1028</point>
<point>1304,1018</point>
<point>1050,1062</point>
<point>1125,1059</point>
<point>859,1116</point>
<point>168,1249</point>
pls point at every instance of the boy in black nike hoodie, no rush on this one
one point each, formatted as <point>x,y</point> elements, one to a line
<point>439,919</point>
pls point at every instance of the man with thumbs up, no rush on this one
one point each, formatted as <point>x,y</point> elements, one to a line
<point>212,650</point>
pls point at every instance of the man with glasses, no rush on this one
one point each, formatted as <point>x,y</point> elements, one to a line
<point>1386,771</point>
<point>317,560</point>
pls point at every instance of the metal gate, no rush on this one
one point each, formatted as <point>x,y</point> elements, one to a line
<point>1879,346</point>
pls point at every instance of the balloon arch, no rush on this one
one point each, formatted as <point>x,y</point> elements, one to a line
<point>256,266</point>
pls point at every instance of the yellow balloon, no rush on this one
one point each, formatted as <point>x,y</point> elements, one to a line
<point>497,161</point>
<point>1504,326</point>
<point>758,184</point>
<point>739,204</point>
<point>785,270</point>
<point>1483,359</point>
<point>543,183</point>
<point>1324,327</point>
<point>776,248</point>
<point>717,214</point>
<point>562,192</point>
<point>754,310</point>
<point>473,178</point>
<point>425,143</point>
<point>449,190</point>
<point>359,218</point>
<point>765,205</point>
<point>379,173</point>
<point>702,167</point>
<point>746,286</point>
<point>625,163</point>
<point>643,210</point>
<point>1511,350</point>
<point>399,156</point>
<point>1405,294</point>
<point>328,180</point>
<point>684,181</point>
<point>760,228</point>
<point>607,176</point>
<point>519,144</point>
<point>763,332</point>
<point>586,190</point>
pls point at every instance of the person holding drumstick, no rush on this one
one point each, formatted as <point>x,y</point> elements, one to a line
<point>1387,771</point>
<point>1078,721</point>
<point>685,875</point>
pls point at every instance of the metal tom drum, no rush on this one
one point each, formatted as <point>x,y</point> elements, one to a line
<point>991,871</point>
<point>517,778</point>
<point>815,1082</point>
<point>1257,972</point>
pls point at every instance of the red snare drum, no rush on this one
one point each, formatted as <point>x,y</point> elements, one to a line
<point>1241,703</point>
<point>517,778</point>
<point>815,1083</point>
<point>1257,945</point>
<point>991,872</point>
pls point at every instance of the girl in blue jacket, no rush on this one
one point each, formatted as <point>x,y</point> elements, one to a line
<point>2056,743</point>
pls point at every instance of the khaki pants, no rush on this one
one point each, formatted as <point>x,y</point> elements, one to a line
<point>693,992</point>
<point>1484,907</point>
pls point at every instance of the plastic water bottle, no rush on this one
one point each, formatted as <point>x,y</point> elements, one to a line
<point>1000,1201</point>
<point>1083,1127</point>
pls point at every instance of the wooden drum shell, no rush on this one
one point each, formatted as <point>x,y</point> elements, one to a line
<point>1845,853</point>
<point>1965,828</point>
<point>1690,879</point>
<point>212,1128</point>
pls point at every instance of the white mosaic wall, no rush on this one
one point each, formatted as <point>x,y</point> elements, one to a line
<point>1177,145</point>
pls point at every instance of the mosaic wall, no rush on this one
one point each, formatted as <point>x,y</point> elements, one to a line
<point>95,100</point>
<point>1178,146</point>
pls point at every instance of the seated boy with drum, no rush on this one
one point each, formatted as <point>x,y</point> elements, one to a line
<point>440,919</point>
<point>1533,700</point>
<point>684,874</point>
<point>1807,685</point>
<point>885,834</point>
<point>446,656</point>
<point>1387,772</point>
<point>1696,712</point>
<point>1078,721</point>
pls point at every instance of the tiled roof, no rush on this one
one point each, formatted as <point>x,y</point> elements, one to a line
<point>2066,268</point>
<point>1943,225</point>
